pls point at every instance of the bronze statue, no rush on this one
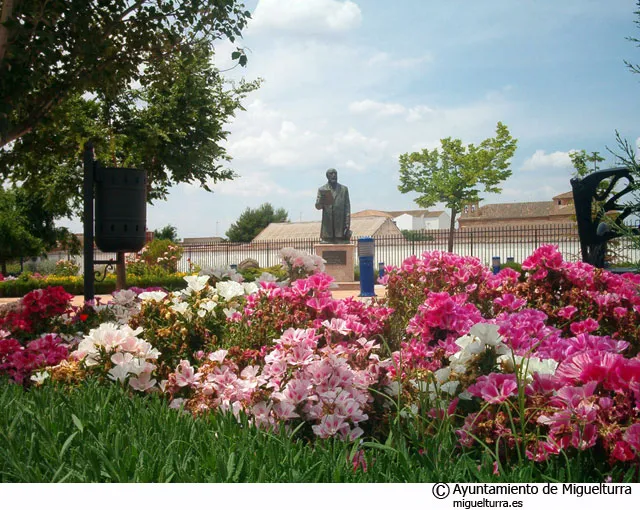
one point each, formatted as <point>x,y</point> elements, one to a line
<point>333,199</point>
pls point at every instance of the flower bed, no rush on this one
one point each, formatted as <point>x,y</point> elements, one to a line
<point>523,367</point>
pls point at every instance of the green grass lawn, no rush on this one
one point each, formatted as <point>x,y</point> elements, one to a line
<point>97,433</point>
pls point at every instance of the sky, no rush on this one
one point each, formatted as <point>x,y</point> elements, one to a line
<point>352,84</point>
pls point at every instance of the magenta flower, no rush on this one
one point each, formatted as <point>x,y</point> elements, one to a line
<point>494,388</point>
<point>632,436</point>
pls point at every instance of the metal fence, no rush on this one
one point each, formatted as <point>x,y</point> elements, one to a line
<point>516,243</point>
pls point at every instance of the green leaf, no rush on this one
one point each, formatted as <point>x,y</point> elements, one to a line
<point>66,445</point>
<point>77,423</point>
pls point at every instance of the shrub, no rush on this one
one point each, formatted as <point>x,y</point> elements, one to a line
<point>158,257</point>
<point>66,268</point>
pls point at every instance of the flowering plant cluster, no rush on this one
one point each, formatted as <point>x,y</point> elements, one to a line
<point>118,353</point>
<point>183,323</point>
<point>528,366</point>
<point>306,303</point>
<point>300,264</point>
<point>160,256</point>
<point>37,311</point>
<point>317,377</point>
<point>18,362</point>
<point>66,268</point>
<point>543,364</point>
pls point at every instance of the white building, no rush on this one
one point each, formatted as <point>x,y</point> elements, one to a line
<point>411,220</point>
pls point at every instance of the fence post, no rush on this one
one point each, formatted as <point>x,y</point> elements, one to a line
<point>471,241</point>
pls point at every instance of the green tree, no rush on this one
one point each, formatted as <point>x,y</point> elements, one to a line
<point>50,51</point>
<point>172,126</point>
<point>252,221</point>
<point>168,232</point>
<point>582,161</point>
<point>15,238</point>
<point>454,173</point>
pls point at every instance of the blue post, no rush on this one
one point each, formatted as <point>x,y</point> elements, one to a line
<point>495,265</point>
<point>234,266</point>
<point>365,254</point>
<point>510,260</point>
<point>380,269</point>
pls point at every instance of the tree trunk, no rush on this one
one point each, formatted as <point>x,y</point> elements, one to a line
<point>121,272</point>
<point>7,11</point>
<point>452,226</point>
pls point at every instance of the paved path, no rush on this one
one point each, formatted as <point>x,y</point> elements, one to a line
<point>338,294</point>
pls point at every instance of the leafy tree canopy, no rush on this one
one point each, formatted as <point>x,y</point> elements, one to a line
<point>172,126</point>
<point>455,174</point>
<point>27,228</point>
<point>168,232</point>
<point>585,163</point>
<point>53,50</point>
<point>252,221</point>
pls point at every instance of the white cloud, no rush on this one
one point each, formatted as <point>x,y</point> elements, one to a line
<point>541,160</point>
<point>377,108</point>
<point>254,184</point>
<point>306,16</point>
<point>384,59</point>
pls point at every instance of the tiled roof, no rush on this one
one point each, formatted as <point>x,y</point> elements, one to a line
<point>360,226</point>
<point>395,214</point>
<point>568,194</point>
<point>519,210</point>
<point>371,212</point>
<point>198,240</point>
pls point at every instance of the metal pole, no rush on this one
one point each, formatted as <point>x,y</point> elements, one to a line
<point>89,167</point>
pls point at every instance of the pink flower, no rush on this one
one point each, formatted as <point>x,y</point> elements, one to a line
<point>185,374</point>
<point>632,436</point>
<point>585,326</point>
<point>494,388</point>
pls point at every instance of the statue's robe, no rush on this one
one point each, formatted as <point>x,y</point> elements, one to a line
<point>336,218</point>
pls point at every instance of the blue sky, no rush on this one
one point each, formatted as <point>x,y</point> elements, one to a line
<point>353,84</point>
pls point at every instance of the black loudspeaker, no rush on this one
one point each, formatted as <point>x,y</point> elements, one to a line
<point>121,209</point>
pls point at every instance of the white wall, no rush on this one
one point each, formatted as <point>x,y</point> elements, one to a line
<point>404,222</point>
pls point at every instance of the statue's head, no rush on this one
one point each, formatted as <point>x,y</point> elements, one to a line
<point>332,176</point>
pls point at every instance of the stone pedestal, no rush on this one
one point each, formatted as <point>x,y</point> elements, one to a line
<point>339,260</point>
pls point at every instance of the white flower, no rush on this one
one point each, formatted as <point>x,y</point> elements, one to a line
<point>229,290</point>
<point>119,372</point>
<point>488,333</point>
<point>207,306</point>
<point>527,366</point>
<point>267,277</point>
<point>181,308</point>
<point>218,356</point>
<point>393,389</point>
<point>250,288</point>
<point>124,297</point>
<point>157,295</point>
<point>196,283</point>
<point>39,377</point>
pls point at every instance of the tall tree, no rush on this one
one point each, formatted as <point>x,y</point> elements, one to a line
<point>52,50</point>
<point>582,162</point>
<point>252,221</point>
<point>168,232</point>
<point>455,174</point>
<point>16,237</point>
<point>172,125</point>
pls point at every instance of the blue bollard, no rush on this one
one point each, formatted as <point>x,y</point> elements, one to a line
<point>365,255</point>
<point>380,269</point>
<point>495,265</point>
<point>510,260</point>
<point>234,266</point>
